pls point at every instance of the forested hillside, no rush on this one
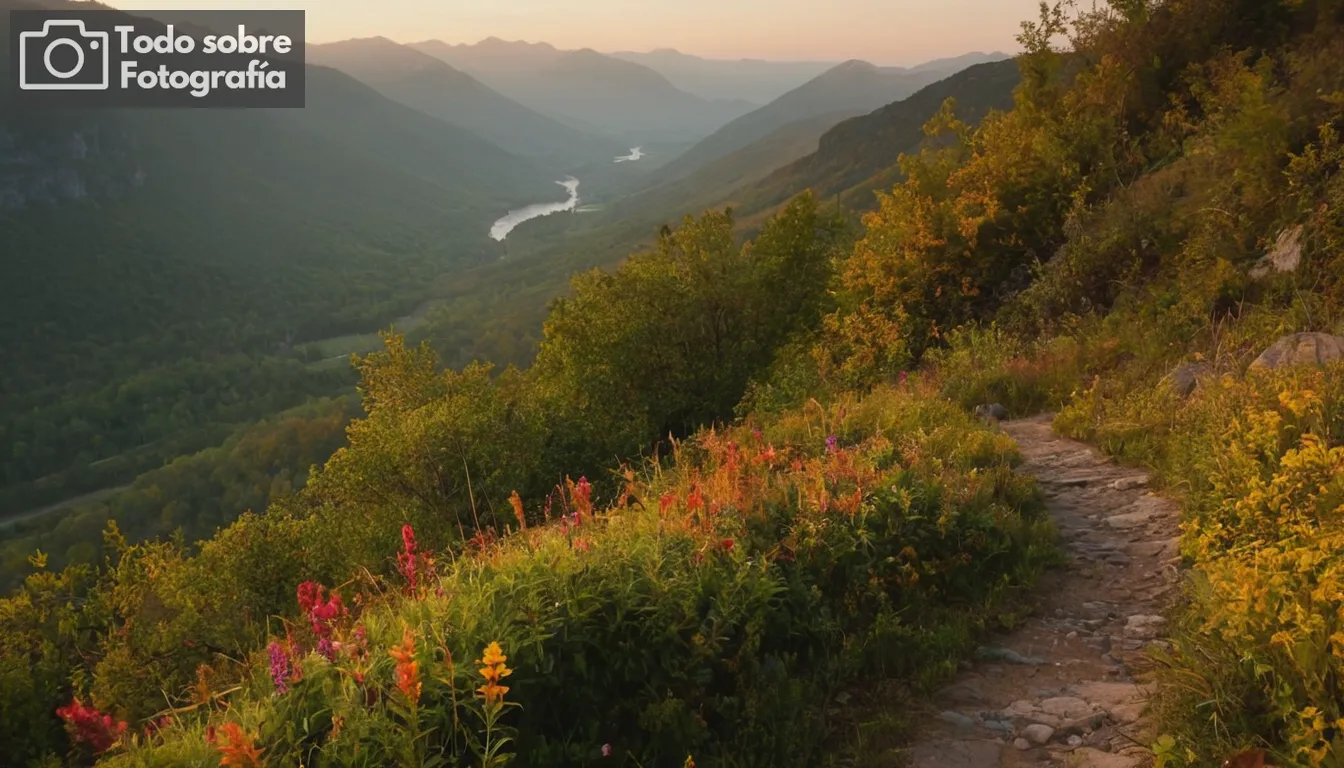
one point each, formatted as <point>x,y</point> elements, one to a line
<point>737,511</point>
<point>162,268</point>
<point>855,87</point>
<point>851,158</point>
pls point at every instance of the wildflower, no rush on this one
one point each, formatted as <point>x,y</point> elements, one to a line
<point>582,493</point>
<point>308,594</point>
<point>327,649</point>
<point>694,501</point>
<point>324,614</point>
<point>831,444</point>
<point>279,667</point>
<point>606,750</point>
<point>89,726</point>
<point>727,545</point>
<point>493,669</point>
<point>580,544</point>
<point>237,748</point>
<point>406,557</point>
<point>901,377</point>
<point>517,503</point>
<point>665,503</point>
<point>690,763</point>
<point>408,669</point>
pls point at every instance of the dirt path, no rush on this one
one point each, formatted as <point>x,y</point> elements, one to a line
<point>1061,690</point>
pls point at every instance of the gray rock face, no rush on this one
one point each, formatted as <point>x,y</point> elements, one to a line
<point>1185,377</point>
<point>1285,256</point>
<point>1315,349</point>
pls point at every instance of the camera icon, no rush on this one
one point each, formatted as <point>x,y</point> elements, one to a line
<point>64,56</point>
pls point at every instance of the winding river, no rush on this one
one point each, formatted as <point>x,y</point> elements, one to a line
<point>505,224</point>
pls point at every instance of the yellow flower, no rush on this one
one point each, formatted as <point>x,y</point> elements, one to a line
<point>493,655</point>
<point>493,670</point>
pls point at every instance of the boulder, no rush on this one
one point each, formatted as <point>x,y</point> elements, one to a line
<point>991,412</point>
<point>1285,256</point>
<point>1314,349</point>
<point>1185,377</point>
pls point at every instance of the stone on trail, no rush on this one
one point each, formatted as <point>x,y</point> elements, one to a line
<point>1066,707</point>
<point>1126,483</point>
<point>1038,733</point>
<point>1022,744</point>
<point>1146,627</point>
<point>990,653</point>
<point>1087,757</point>
<point>957,719</point>
<point>1108,695</point>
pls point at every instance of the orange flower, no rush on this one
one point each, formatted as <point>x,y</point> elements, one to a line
<point>517,503</point>
<point>493,669</point>
<point>236,747</point>
<point>408,669</point>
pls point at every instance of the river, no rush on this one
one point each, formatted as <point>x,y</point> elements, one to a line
<point>505,224</point>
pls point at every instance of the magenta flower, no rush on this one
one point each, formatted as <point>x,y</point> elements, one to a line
<point>326,649</point>
<point>831,444</point>
<point>279,667</point>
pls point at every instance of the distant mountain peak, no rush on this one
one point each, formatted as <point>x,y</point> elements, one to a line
<point>855,65</point>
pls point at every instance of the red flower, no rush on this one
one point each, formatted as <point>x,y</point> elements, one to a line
<point>91,727</point>
<point>406,558</point>
<point>308,593</point>
<point>322,612</point>
<point>727,545</point>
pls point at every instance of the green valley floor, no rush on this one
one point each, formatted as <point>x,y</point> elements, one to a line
<point>1067,688</point>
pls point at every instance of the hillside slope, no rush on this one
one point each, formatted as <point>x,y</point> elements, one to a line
<point>437,89</point>
<point>855,87</point>
<point>859,155</point>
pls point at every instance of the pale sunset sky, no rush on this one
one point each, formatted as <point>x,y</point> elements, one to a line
<point>884,32</point>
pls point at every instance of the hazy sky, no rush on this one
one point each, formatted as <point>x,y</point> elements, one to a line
<point>893,32</point>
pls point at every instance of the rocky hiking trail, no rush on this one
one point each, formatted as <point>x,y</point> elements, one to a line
<point>1064,689</point>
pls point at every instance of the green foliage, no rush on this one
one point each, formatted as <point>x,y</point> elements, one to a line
<point>670,340</point>
<point>762,571</point>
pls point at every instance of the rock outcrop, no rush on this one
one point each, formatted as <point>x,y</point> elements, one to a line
<point>1315,349</point>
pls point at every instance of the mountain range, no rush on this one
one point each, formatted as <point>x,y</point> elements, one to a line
<point>753,80</point>
<point>854,87</point>
<point>436,88</point>
<point>589,90</point>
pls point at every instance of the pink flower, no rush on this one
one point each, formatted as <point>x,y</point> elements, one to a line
<point>606,750</point>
